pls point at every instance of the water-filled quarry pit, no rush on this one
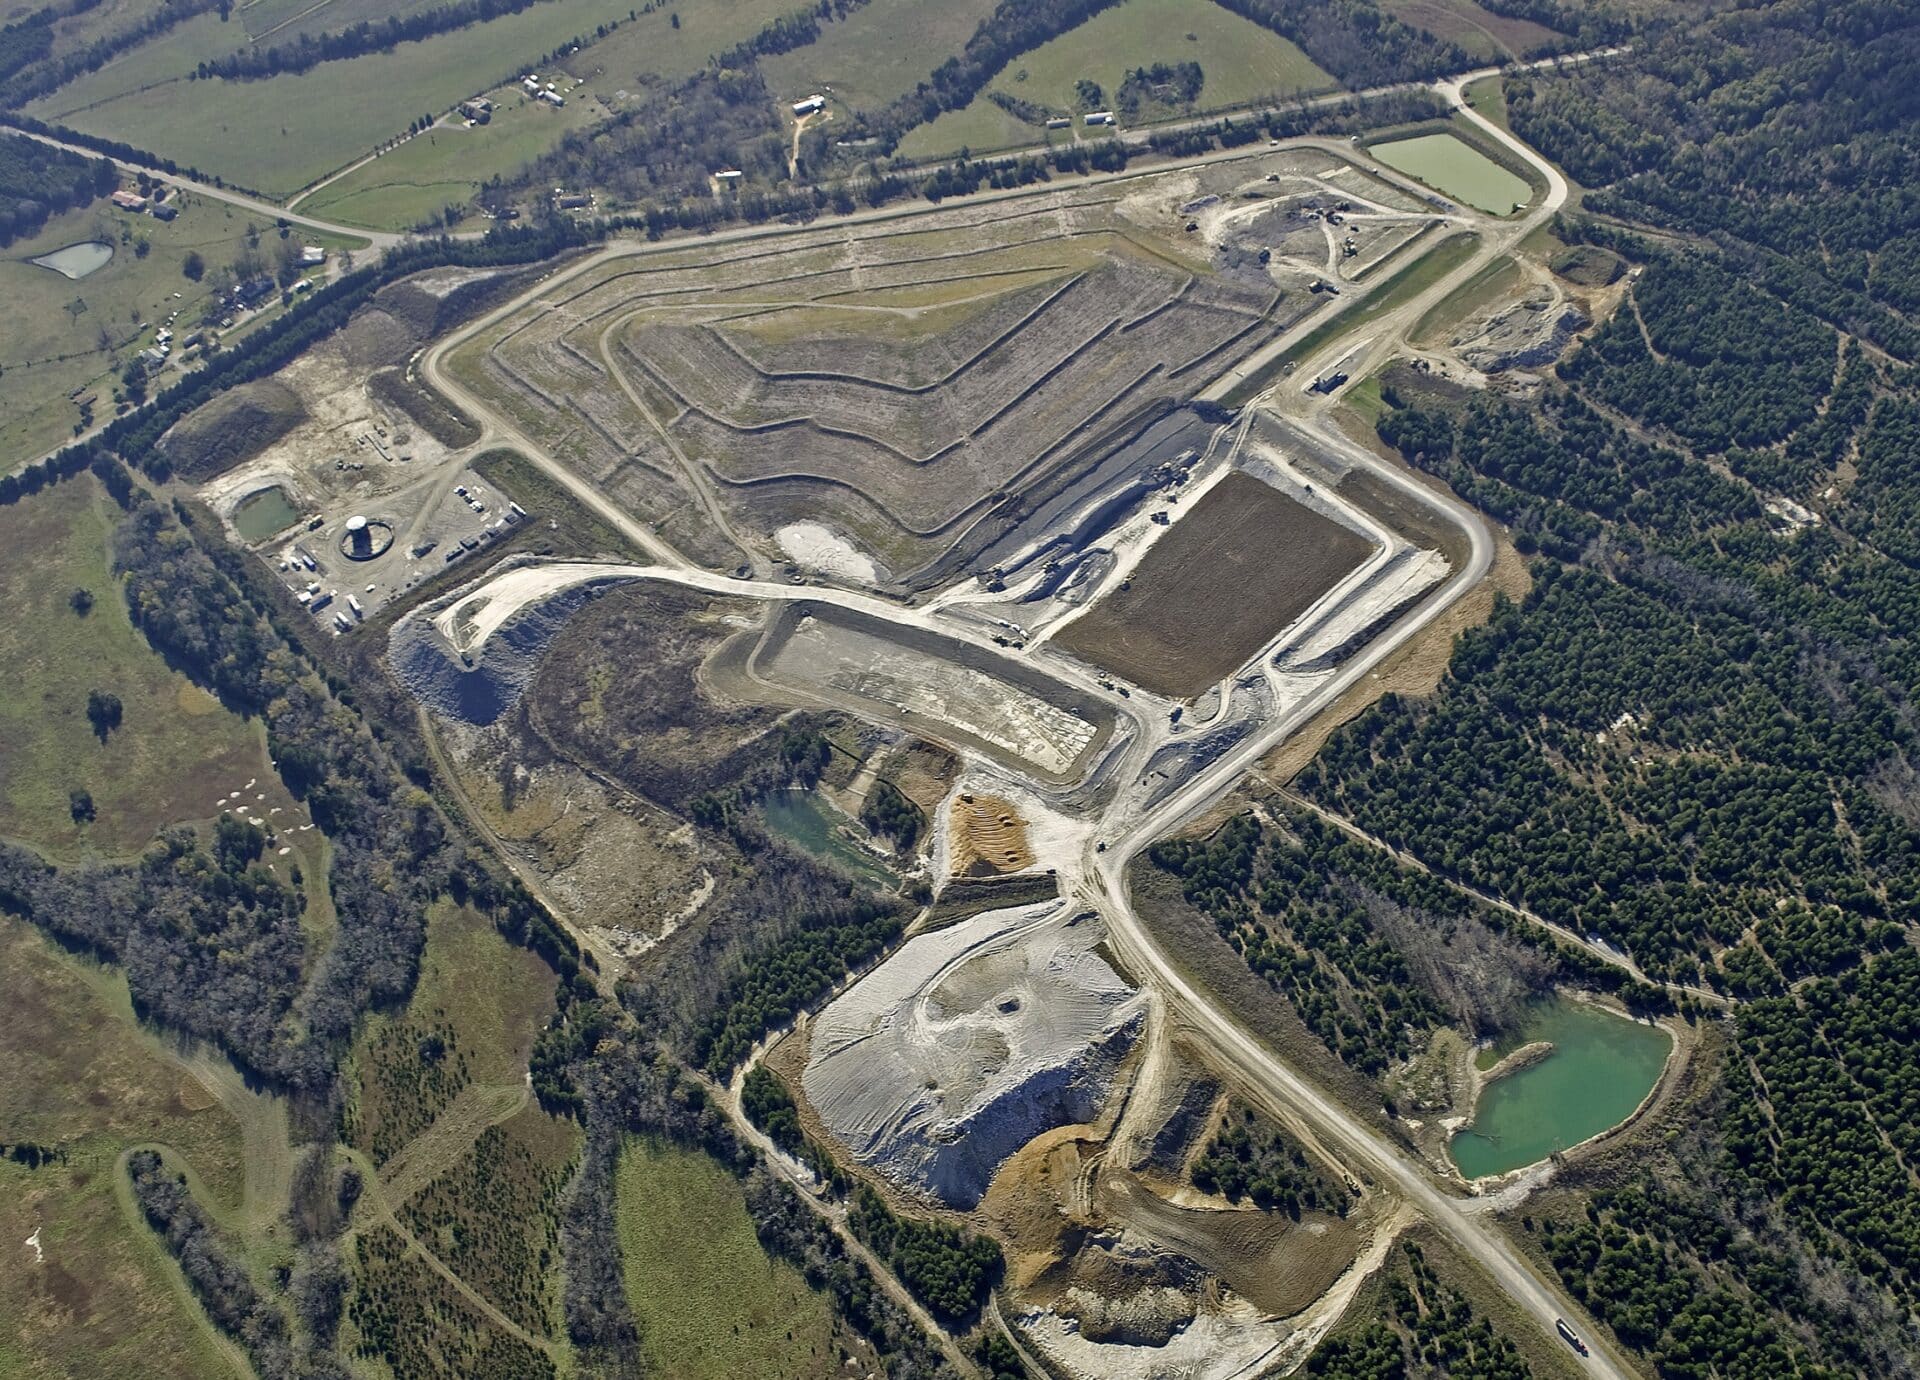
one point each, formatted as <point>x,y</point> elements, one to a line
<point>1601,1069</point>
<point>265,513</point>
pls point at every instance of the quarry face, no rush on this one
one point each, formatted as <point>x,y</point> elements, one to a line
<point>968,1043</point>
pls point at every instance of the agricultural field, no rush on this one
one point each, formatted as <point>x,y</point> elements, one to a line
<point>710,1303</point>
<point>1242,63</point>
<point>175,750</point>
<point>1175,629</point>
<point>878,52</point>
<point>99,1295</point>
<point>51,351</point>
<point>279,134</point>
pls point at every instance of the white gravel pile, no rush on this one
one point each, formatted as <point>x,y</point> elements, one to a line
<point>968,1043</point>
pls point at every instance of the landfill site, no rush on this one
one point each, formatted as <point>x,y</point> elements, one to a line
<point>1027,505</point>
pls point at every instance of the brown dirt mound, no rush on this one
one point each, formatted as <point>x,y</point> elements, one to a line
<point>373,338</point>
<point>988,837</point>
<point>235,426</point>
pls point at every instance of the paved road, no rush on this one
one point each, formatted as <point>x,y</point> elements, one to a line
<point>1099,878</point>
<point>259,207</point>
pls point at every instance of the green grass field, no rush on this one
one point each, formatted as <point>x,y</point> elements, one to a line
<point>1243,63</point>
<point>481,998</point>
<point>449,163</point>
<point>1488,97</point>
<point>652,46</point>
<point>283,133</point>
<point>710,1303</point>
<point>103,1299</point>
<point>176,749</point>
<point>51,344</point>
<point>877,53</point>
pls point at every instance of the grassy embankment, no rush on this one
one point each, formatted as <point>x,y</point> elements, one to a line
<point>1408,281</point>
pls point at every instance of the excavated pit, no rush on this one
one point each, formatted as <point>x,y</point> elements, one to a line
<point>968,1043</point>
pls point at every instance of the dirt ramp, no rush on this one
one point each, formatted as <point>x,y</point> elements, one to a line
<point>989,837</point>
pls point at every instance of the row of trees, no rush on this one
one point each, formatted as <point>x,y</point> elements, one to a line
<point>38,181</point>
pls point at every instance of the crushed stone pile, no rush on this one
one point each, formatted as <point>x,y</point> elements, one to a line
<point>1530,334</point>
<point>968,1043</point>
<point>487,686</point>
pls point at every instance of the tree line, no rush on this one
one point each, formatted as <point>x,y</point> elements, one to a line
<point>38,181</point>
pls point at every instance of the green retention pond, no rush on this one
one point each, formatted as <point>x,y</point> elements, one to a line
<point>1449,164</point>
<point>803,818</point>
<point>1601,1069</point>
<point>262,514</point>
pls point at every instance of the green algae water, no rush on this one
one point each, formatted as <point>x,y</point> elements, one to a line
<point>260,515</point>
<point>1601,1068</point>
<point>1451,165</point>
<point>803,818</point>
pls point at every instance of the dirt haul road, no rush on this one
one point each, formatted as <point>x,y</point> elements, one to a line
<point>1098,878</point>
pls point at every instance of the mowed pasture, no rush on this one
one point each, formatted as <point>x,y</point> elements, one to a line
<point>899,387</point>
<point>1242,62</point>
<point>877,53</point>
<point>100,1297</point>
<point>278,135</point>
<point>710,1302</point>
<point>52,342</point>
<point>1224,580</point>
<point>448,164</point>
<point>176,748</point>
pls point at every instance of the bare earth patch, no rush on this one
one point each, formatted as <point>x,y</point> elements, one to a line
<point>1226,579</point>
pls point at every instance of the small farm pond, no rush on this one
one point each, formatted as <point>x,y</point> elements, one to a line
<point>1601,1068</point>
<point>803,818</point>
<point>77,260</point>
<point>262,514</point>
<point>1451,165</point>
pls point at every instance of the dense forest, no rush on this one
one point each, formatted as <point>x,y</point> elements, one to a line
<point>1373,956</point>
<point>1695,736</point>
<point>1425,1328</point>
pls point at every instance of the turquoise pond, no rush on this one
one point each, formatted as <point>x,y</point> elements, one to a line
<point>1601,1069</point>
<point>803,818</point>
